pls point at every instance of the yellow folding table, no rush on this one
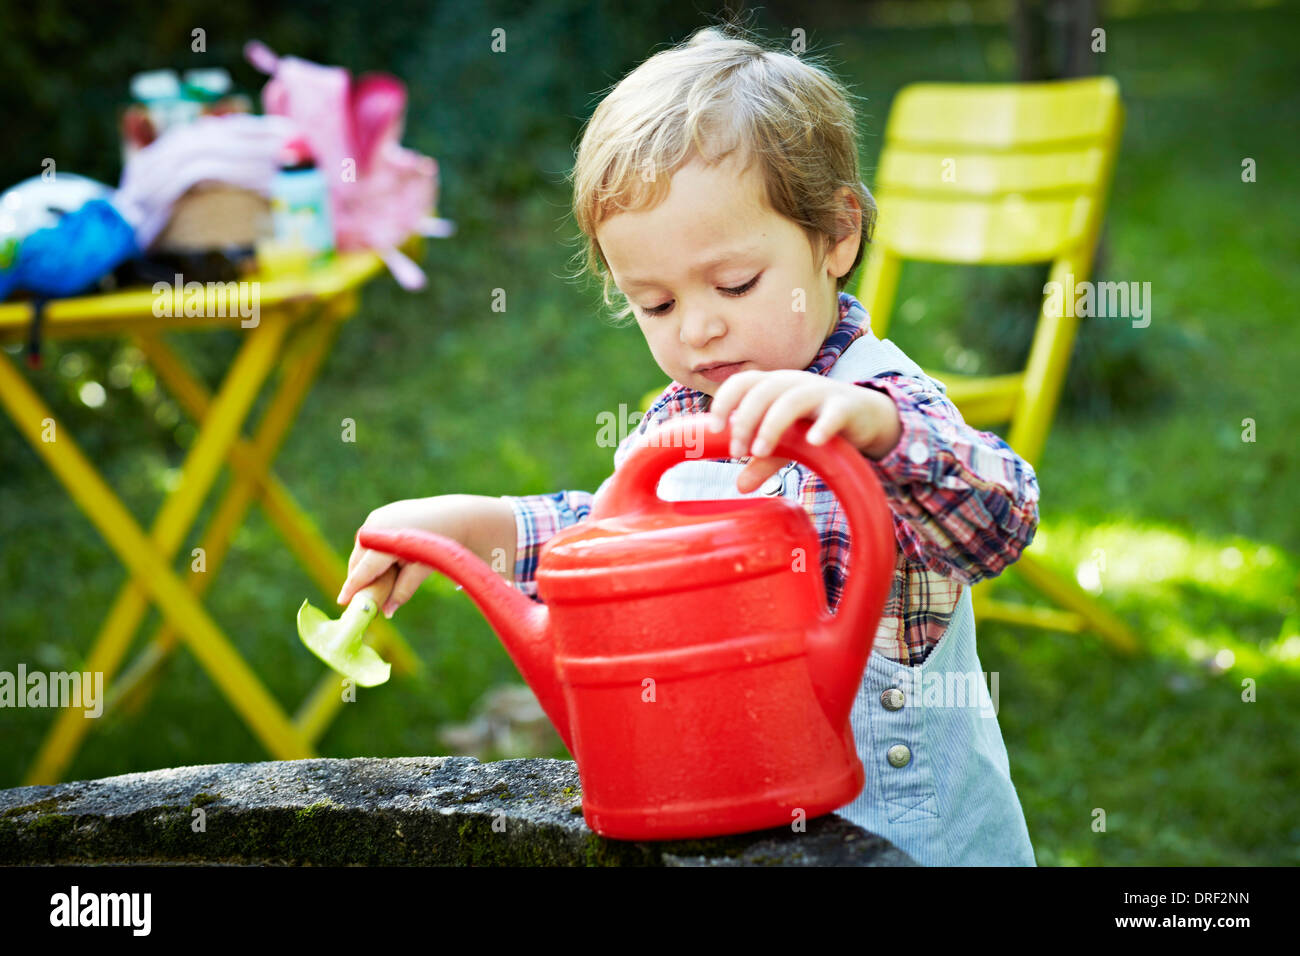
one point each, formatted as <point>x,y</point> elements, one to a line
<point>292,329</point>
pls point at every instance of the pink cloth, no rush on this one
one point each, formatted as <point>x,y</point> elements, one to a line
<point>380,192</point>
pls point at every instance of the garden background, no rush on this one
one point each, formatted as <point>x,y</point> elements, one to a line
<point>1150,495</point>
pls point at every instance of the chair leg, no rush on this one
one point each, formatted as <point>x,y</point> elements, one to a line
<point>1081,610</point>
<point>1049,619</point>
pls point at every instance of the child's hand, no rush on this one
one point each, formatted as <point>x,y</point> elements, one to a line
<point>761,405</point>
<point>437,514</point>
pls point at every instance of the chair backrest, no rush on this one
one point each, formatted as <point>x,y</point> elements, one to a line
<point>997,174</point>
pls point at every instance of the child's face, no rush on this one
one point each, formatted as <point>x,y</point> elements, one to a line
<point>765,303</point>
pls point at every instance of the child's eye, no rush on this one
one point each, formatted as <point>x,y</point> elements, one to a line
<point>739,290</point>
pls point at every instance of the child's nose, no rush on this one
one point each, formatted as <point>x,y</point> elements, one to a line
<point>701,327</point>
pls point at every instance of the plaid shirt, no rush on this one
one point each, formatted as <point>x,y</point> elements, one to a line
<point>964,504</point>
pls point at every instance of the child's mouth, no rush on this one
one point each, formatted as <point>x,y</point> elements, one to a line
<point>720,373</point>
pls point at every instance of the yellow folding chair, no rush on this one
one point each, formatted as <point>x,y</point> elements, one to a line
<point>999,174</point>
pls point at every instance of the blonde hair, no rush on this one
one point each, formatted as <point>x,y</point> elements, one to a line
<point>712,95</point>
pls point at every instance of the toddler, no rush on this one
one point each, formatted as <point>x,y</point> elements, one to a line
<point>718,189</point>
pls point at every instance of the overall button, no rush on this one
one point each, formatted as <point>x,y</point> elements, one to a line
<point>899,755</point>
<point>773,485</point>
<point>892,699</point>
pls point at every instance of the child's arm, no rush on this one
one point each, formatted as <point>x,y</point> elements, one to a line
<point>969,503</point>
<point>490,532</point>
<point>476,521</point>
<point>534,520</point>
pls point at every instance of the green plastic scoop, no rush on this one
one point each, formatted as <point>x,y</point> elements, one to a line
<point>338,643</point>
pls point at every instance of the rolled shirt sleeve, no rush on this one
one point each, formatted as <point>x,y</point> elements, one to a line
<point>968,502</point>
<point>539,518</point>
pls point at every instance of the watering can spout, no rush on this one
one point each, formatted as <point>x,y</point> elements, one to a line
<point>522,624</point>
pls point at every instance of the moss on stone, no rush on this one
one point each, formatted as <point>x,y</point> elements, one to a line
<point>358,832</point>
<point>305,814</point>
<point>48,831</point>
<point>477,840</point>
<point>327,834</point>
<point>37,806</point>
<point>601,852</point>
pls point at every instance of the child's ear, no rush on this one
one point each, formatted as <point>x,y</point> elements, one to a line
<point>852,212</point>
<point>842,252</point>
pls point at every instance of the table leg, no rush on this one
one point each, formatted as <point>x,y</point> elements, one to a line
<point>147,559</point>
<point>251,465</point>
<point>247,463</point>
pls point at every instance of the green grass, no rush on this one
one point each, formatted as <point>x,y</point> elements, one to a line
<point>1144,471</point>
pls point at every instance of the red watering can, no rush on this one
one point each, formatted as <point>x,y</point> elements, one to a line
<point>685,652</point>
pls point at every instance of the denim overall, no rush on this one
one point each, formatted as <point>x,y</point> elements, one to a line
<point>938,785</point>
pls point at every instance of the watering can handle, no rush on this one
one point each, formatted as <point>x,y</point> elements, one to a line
<point>844,638</point>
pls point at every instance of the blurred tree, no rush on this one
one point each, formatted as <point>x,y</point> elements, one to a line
<point>1053,37</point>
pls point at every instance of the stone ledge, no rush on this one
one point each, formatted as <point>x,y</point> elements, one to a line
<point>405,811</point>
